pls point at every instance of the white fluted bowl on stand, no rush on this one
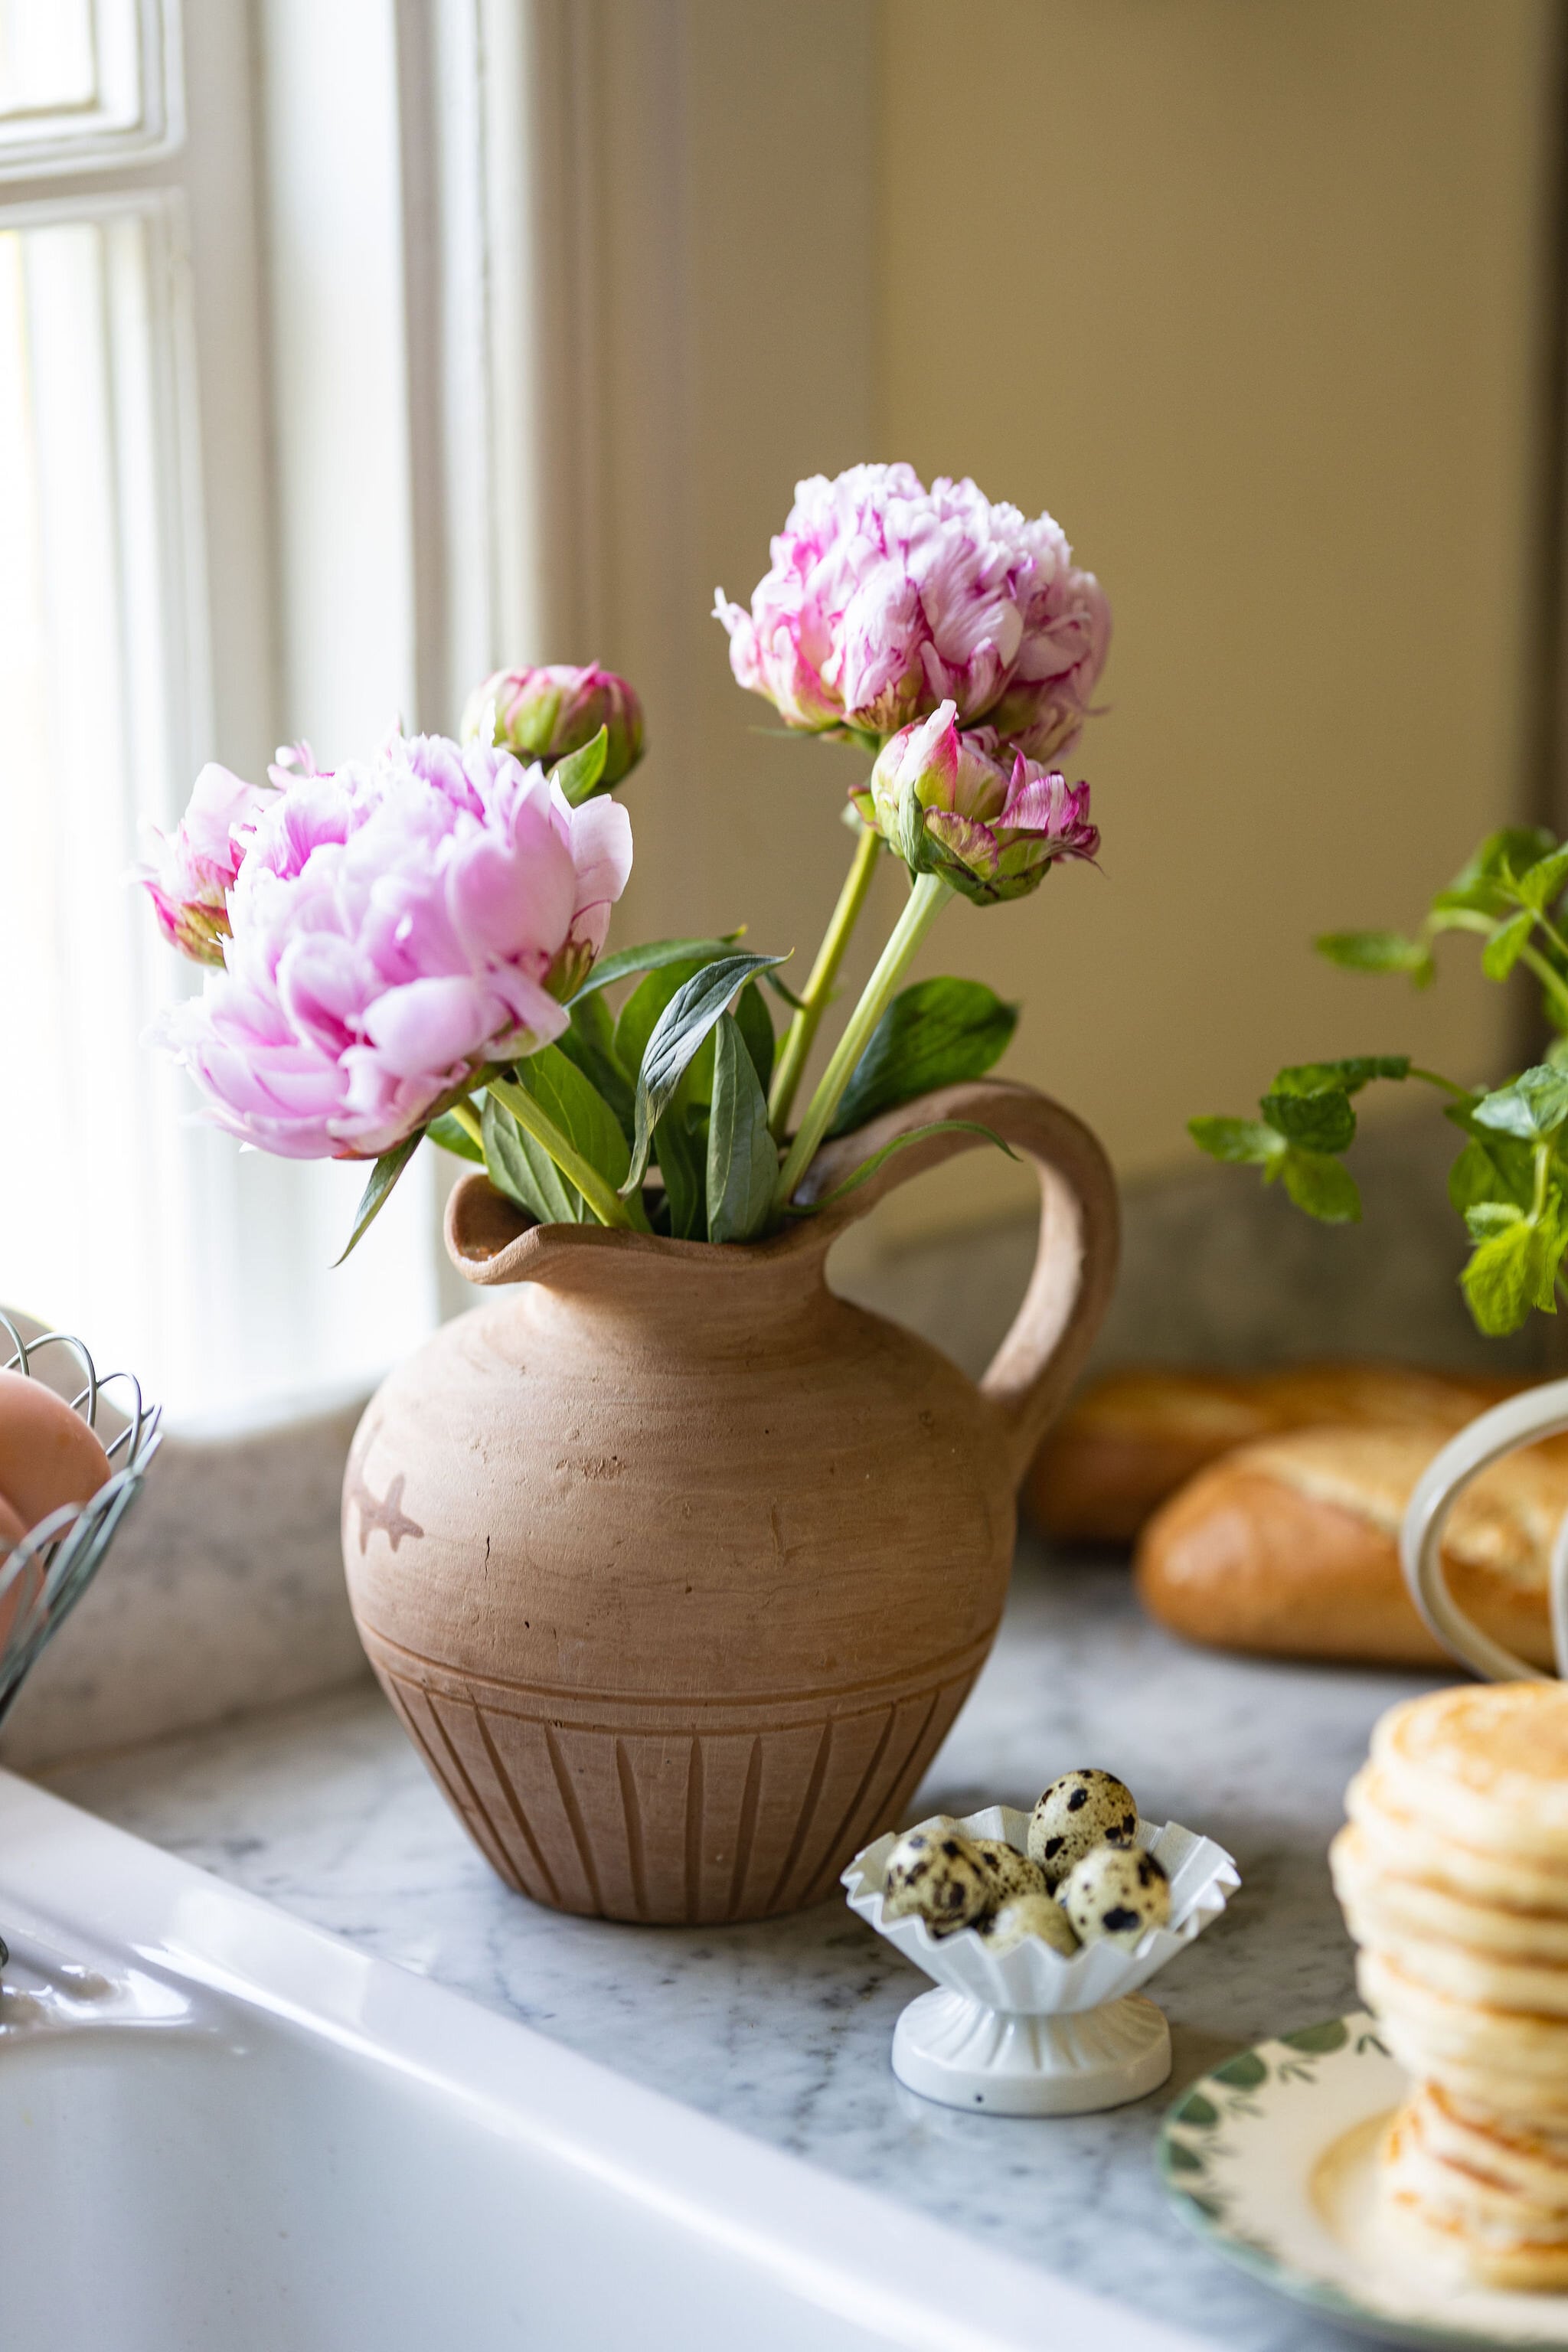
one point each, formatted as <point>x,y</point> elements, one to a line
<point>1032,2032</point>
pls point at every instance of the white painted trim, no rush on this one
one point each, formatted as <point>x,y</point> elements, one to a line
<point>136,114</point>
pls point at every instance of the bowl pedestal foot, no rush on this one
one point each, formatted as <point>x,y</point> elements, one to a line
<point>992,2062</point>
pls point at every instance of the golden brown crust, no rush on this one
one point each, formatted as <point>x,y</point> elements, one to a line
<point>1246,1560</point>
<point>1137,1435</point>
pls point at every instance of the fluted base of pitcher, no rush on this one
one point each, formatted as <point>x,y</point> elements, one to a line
<point>672,1811</point>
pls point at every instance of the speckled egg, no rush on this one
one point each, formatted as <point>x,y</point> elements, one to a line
<point>1011,1873</point>
<point>937,1877</point>
<point>1115,1895</point>
<point>1078,1812</point>
<point>1027,1916</point>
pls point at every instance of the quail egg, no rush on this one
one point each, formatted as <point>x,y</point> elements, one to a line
<point>936,1875</point>
<point>1078,1812</point>
<point>1030,1915</point>
<point>1011,1873</point>
<point>1115,1895</point>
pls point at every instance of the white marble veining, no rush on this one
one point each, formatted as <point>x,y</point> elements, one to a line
<point>784,2027</point>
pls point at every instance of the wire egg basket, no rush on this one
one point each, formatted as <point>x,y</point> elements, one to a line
<point>43,1575</point>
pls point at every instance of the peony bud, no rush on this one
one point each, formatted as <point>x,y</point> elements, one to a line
<point>988,819</point>
<point>195,871</point>
<point>547,712</point>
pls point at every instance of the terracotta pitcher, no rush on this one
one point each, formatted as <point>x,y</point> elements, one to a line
<point>676,1566</point>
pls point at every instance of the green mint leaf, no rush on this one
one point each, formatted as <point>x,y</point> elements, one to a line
<point>579,773</point>
<point>1534,1106</point>
<point>1318,1121</point>
<point>1492,1168</point>
<point>742,1158</point>
<point>1323,1186</point>
<point>1244,1142</point>
<point>1504,949</point>
<point>1492,1217</point>
<point>382,1177</point>
<point>1542,884</point>
<point>936,1034</point>
<point>1486,884</point>
<point>1377,951</point>
<point>1349,1075</point>
<point>678,1034</point>
<point>452,1137</point>
<point>1506,1276</point>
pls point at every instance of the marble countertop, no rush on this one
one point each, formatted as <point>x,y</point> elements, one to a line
<point>784,2029</point>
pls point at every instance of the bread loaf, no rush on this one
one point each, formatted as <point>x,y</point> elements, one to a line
<point>1290,1547</point>
<point>1135,1436</point>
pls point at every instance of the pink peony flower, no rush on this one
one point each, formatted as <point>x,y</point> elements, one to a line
<point>988,819</point>
<point>886,599</point>
<point>545,713</point>
<point>191,877</point>
<point>396,925</point>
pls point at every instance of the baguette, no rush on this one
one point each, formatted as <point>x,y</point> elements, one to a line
<point>1290,1548</point>
<point>1135,1436</point>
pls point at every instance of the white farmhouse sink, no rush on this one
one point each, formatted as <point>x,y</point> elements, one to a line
<point>224,2131</point>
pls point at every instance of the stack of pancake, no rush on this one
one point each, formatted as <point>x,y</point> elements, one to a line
<point>1453,1874</point>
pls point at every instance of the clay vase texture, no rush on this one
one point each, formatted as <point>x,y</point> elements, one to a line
<point>677,1566</point>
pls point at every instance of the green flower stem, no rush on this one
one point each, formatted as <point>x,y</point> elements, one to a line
<point>926,901</point>
<point>803,1026</point>
<point>468,1119</point>
<point>599,1193</point>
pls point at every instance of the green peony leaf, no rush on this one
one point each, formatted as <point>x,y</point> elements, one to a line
<point>526,1174</point>
<point>652,957</point>
<point>742,1157</point>
<point>680,1146</point>
<point>453,1136</point>
<point>935,1034</point>
<point>678,1035</point>
<point>590,1043</point>
<point>382,1177</point>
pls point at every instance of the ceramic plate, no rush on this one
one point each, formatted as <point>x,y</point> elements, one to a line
<point>1270,2158</point>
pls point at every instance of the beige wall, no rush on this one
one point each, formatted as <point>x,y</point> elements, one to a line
<point>1245,295</point>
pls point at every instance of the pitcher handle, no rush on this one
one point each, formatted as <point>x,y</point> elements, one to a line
<point>1539,1413</point>
<point>1075,1264</point>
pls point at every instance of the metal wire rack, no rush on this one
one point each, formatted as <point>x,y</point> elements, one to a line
<point>44,1576</point>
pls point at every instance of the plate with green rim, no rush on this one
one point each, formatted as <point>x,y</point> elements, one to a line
<point>1269,2159</point>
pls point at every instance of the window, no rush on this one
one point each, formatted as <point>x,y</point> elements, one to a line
<point>161,478</point>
